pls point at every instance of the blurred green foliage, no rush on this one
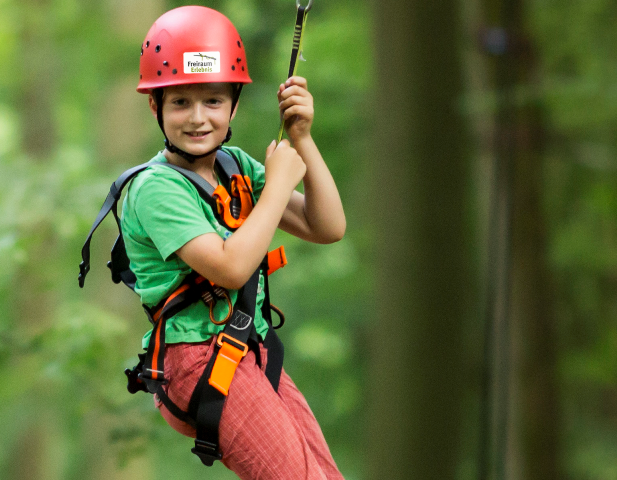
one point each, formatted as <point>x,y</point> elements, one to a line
<point>71,121</point>
<point>578,86</point>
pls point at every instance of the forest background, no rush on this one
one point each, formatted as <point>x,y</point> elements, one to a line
<point>465,326</point>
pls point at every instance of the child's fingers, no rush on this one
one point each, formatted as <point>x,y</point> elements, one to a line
<point>297,111</point>
<point>295,100</point>
<point>294,90</point>
<point>283,144</point>
<point>295,80</point>
<point>293,86</point>
<point>271,148</point>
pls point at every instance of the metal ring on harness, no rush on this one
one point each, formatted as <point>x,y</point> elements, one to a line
<point>230,309</point>
<point>307,8</point>
<point>278,311</point>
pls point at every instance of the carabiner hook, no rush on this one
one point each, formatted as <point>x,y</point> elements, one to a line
<point>307,8</point>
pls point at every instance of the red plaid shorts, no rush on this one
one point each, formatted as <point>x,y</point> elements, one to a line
<point>263,434</point>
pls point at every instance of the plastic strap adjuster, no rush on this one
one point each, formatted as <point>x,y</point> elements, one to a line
<point>152,384</point>
<point>230,353</point>
<point>276,259</point>
<point>207,452</point>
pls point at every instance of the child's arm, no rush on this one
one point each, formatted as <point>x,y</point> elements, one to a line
<point>316,216</point>
<point>230,263</point>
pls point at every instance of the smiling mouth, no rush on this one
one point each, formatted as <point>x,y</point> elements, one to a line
<point>197,134</point>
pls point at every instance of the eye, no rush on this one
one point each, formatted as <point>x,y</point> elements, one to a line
<point>214,101</point>
<point>179,102</point>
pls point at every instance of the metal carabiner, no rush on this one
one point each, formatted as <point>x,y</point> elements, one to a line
<point>307,8</point>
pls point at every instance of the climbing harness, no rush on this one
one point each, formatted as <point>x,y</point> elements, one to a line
<point>231,203</point>
<point>296,50</point>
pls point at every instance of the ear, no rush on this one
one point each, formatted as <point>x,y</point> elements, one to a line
<point>152,104</point>
<point>233,114</point>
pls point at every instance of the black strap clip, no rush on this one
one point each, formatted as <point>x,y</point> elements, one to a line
<point>84,268</point>
<point>135,384</point>
<point>207,452</point>
<point>152,384</point>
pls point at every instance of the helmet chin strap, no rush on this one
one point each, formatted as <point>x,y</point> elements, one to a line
<point>189,157</point>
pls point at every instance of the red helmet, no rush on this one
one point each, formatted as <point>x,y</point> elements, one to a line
<point>191,45</point>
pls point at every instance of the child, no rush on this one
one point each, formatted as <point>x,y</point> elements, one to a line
<point>193,67</point>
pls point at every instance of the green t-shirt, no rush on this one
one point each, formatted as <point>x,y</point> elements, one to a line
<point>162,211</point>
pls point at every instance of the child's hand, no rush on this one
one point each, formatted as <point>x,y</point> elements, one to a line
<point>284,166</point>
<point>296,106</point>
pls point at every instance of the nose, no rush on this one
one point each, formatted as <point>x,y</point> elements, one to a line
<point>198,113</point>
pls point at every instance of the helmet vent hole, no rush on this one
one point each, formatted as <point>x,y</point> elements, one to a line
<point>243,69</point>
<point>147,43</point>
<point>157,49</point>
<point>166,63</point>
<point>239,45</point>
<point>174,71</point>
<point>142,50</point>
<point>159,73</point>
<point>233,67</point>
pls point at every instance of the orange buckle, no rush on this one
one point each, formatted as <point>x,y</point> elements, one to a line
<point>226,362</point>
<point>242,189</point>
<point>223,206</point>
<point>276,259</point>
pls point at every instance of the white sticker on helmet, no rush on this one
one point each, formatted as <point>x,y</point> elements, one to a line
<point>202,62</point>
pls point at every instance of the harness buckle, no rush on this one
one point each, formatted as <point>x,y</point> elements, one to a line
<point>207,452</point>
<point>223,207</point>
<point>152,384</point>
<point>227,360</point>
<point>241,189</point>
<point>134,383</point>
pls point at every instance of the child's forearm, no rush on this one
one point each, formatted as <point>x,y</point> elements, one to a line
<point>323,209</point>
<point>245,249</point>
<point>230,263</point>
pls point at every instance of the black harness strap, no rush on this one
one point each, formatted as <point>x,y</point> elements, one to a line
<point>206,404</point>
<point>272,342</point>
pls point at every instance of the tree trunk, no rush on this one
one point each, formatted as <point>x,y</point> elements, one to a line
<point>520,430</point>
<point>420,173</point>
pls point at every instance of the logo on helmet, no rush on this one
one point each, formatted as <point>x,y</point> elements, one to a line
<point>202,62</point>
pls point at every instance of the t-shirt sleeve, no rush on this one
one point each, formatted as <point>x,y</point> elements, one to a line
<point>169,210</point>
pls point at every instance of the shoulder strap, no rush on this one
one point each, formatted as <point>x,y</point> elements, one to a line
<point>227,164</point>
<point>230,166</point>
<point>119,264</point>
<point>204,189</point>
<point>110,204</point>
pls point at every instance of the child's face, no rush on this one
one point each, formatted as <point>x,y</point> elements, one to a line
<point>196,116</point>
